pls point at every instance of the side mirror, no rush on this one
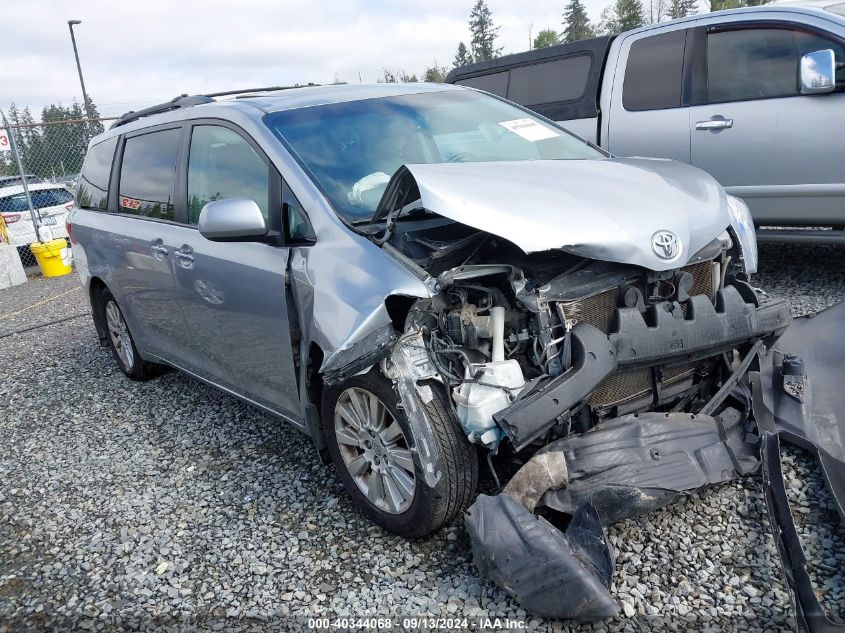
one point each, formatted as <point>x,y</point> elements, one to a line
<point>818,72</point>
<point>232,220</point>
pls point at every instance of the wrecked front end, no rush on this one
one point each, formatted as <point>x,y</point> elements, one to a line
<point>611,375</point>
<point>617,388</point>
<point>611,387</point>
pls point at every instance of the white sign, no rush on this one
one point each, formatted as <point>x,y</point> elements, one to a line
<point>529,129</point>
<point>5,145</point>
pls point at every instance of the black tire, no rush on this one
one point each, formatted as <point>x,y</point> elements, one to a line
<point>136,368</point>
<point>431,508</point>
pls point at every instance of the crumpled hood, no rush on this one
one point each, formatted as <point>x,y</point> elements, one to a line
<point>604,209</point>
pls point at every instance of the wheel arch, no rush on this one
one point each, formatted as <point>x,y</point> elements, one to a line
<point>312,387</point>
<point>95,292</point>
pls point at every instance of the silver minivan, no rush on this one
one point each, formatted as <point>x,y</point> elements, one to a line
<point>417,276</point>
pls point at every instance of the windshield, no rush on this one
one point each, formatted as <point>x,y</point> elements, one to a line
<point>352,149</point>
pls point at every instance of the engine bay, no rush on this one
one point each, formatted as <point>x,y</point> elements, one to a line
<point>495,331</point>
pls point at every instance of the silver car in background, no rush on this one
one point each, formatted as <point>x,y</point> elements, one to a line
<point>422,276</point>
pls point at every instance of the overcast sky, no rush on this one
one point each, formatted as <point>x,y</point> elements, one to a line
<point>138,52</point>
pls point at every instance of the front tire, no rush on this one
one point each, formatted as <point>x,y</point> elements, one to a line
<point>121,342</point>
<point>371,444</point>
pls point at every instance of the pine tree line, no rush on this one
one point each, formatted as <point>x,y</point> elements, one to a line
<point>50,151</point>
<point>621,15</point>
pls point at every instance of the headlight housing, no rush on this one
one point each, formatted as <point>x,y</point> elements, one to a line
<point>743,226</point>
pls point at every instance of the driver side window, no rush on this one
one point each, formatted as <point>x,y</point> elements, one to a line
<point>222,164</point>
<point>758,63</point>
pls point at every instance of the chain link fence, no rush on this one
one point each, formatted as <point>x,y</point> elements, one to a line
<point>51,153</point>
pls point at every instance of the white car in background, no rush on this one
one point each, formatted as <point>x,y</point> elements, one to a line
<point>51,202</point>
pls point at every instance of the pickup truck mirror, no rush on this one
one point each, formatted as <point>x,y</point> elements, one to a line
<point>818,72</point>
<point>232,220</point>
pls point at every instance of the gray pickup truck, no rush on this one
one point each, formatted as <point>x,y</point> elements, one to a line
<point>754,96</point>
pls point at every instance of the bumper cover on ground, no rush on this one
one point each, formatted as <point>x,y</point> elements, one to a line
<point>625,467</point>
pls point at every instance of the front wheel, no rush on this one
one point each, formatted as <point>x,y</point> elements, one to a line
<point>372,446</point>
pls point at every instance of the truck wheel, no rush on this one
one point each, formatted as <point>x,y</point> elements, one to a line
<point>121,342</point>
<point>370,442</point>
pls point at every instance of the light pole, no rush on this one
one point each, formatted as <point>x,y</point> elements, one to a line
<point>86,102</point>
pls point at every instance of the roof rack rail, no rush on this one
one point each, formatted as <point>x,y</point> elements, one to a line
<point>186,101</point>
<point>182,101</point>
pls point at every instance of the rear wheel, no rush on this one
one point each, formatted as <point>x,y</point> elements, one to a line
<point>372,446</point>
<point>121,342</point>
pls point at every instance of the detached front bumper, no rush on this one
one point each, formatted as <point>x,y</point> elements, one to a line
<point>624,467</point>
<point>637,463</point>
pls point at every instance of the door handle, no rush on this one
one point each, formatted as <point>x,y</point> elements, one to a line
<point>715,124</point>
<point>159,250</point>
<point>185,257</point>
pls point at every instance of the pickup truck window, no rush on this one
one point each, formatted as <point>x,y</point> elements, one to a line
<point>759,63</point>
<point>654,72</point>
<point>93,190</point>
<point>495,83</point>
<point>550,82</point>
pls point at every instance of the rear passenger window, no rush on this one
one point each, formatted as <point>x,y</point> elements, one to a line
<point>222,164</point>
<point>148,174</point>
<point>495,83</point>
<point>653,76</point>
<point>93,189</point>
<point>550,82</point>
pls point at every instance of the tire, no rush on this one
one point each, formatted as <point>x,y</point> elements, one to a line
<point>121,342</point>
<point>425,509</point>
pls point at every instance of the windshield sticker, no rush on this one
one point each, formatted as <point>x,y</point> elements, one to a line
<point>529,129</point>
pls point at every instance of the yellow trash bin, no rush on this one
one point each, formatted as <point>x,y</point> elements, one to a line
<point>53,257</point>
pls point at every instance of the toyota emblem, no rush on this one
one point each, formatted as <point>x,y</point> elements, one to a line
<point>666,245</point>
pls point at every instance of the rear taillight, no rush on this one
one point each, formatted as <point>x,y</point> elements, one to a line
<point>11,218</point>
<point>69,206</point>
<point>69,229</point>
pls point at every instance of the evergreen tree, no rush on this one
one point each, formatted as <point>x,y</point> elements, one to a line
<point>681,8</point>
<point>29,146</point>
<point>483,32</point>
<point>462,57</point>
<point>95,127</point>
<point>14,117</point>
<point>622,15</point>
<point>576,23</point>
<point>546,38</point>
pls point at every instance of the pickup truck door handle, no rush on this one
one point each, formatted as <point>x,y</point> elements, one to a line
<point>715,124</point>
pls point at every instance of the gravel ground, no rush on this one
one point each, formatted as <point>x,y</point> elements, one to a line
<point>167,503</point>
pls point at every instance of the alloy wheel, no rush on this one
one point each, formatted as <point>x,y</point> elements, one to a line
<point>119,335</point>
<point>375,450</point>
